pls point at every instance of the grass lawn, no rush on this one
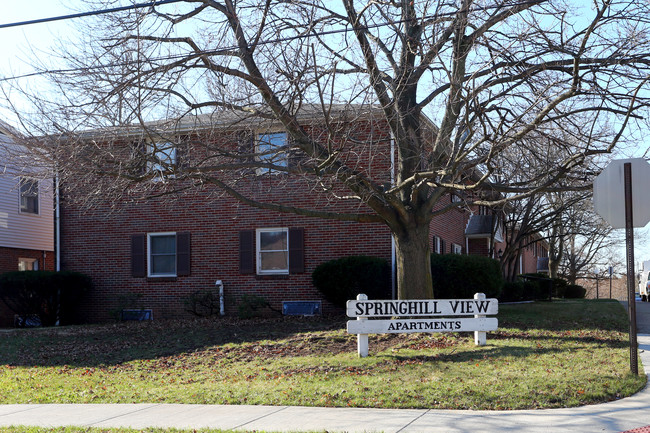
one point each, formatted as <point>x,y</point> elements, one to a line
<point>544,355</point>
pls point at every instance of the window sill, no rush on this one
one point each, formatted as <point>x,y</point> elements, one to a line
<point>161,279</point>
<point>272,276</point>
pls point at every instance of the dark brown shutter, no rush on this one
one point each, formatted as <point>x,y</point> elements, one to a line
<point>138,257</point>
<point>183,254</point>
<point>183,152</point>
<point>247,252</point>
<point>442,246</point>
<point>246,149</point>
<point>139,158</point>
<point>296,251</point>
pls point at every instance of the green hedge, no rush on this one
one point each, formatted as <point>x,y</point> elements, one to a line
<point>343,279</point>
<point>41,293</point>
<point>458,276</point>
<point>523,290</point>
<point>575,291</point>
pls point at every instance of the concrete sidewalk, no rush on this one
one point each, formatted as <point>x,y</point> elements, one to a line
<point>626,414</point>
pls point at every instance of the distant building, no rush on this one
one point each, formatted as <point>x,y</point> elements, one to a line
<point>26,214</point>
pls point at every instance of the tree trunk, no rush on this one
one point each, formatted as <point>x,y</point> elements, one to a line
<point>414,263</point>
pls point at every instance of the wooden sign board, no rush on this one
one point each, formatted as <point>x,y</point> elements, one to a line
<point>429,307</point>
<point>463,324</point>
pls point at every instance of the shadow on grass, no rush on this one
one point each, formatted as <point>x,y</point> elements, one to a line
<point>111,344</point>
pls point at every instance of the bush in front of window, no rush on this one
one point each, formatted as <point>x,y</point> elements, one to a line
<point>46,294</point>
<point>343,279</point>
<point>458,276</point>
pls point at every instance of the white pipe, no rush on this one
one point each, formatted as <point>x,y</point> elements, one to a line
<point>393,253</point>
<point>57,223</point>
<point>222,310</point>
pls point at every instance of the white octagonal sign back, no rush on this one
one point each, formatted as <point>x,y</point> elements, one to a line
<point>609,193</point>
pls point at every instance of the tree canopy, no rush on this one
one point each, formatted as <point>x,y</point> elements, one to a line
<point>471,91</point>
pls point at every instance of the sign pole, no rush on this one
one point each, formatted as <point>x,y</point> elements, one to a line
<point>629,244</point>
<point>362,339</point>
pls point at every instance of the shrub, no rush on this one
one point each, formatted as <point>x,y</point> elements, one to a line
<point>514,291</point>
<point>575,291</point>
<point>559,287</point>
<point>524,290</point>
<point>202,303</point>
<point>253,305</point>
<point>461,276</point>
<point>46,294</point>
<point>343,279</point>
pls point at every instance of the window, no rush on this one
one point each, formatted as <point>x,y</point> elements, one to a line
<point>165,254</point>
<point>27,264</point>
<point>162,254</point>
<point>456,249</point>
<point>437,245</point>
<point>163,157</point>
<point>271,148</point>
<point>28,196</point>
<point>272,251</point>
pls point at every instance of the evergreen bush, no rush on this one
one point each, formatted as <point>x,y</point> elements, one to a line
<point>575,291</point>
<point>458,276</point>
<point>46,294</point>
<point>343,279</point>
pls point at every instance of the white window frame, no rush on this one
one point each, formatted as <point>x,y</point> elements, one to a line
<point>21,195</point>
<point>437,244</point>
<point>259,252</point>
<point>279,159</point>
<point>456,249</point>
<point>27,264</point>
<point>150,256</point>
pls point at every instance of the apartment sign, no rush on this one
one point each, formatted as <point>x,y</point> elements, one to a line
<point>434,307</point>
<point>405,326</point>
<point>428,315</point>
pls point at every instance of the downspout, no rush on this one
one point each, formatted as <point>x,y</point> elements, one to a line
<point>57,224</point>
<point>393,252</point>
<point>57,243</point>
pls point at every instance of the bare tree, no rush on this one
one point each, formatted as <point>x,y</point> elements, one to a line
<point>458,84</point>
<point>589,243</point>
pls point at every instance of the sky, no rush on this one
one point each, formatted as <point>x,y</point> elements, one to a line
<point>19,42</point>
<point>16,40</point>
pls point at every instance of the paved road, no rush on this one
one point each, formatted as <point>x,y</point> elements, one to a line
<point>614,417</point>
<point>642,317</point>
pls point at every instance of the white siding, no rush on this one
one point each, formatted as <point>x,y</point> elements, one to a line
<point>21,230</point>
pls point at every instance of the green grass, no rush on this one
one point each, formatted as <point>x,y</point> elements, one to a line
<point>544,355</point>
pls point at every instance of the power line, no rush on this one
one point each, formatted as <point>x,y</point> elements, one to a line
<point>89,13</point>
<point>217,51</point>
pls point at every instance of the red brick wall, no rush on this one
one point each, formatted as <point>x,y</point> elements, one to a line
<point>479,246</point>
<point>98,244</point>
<point>9,258</point>
<point>97,241</point>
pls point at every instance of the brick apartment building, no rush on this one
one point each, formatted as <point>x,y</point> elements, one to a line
<point>26,217</point>
<point>155,253</point>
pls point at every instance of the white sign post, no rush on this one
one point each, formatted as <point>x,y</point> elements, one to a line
<point>435,315</point>
<point>614,201</point>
